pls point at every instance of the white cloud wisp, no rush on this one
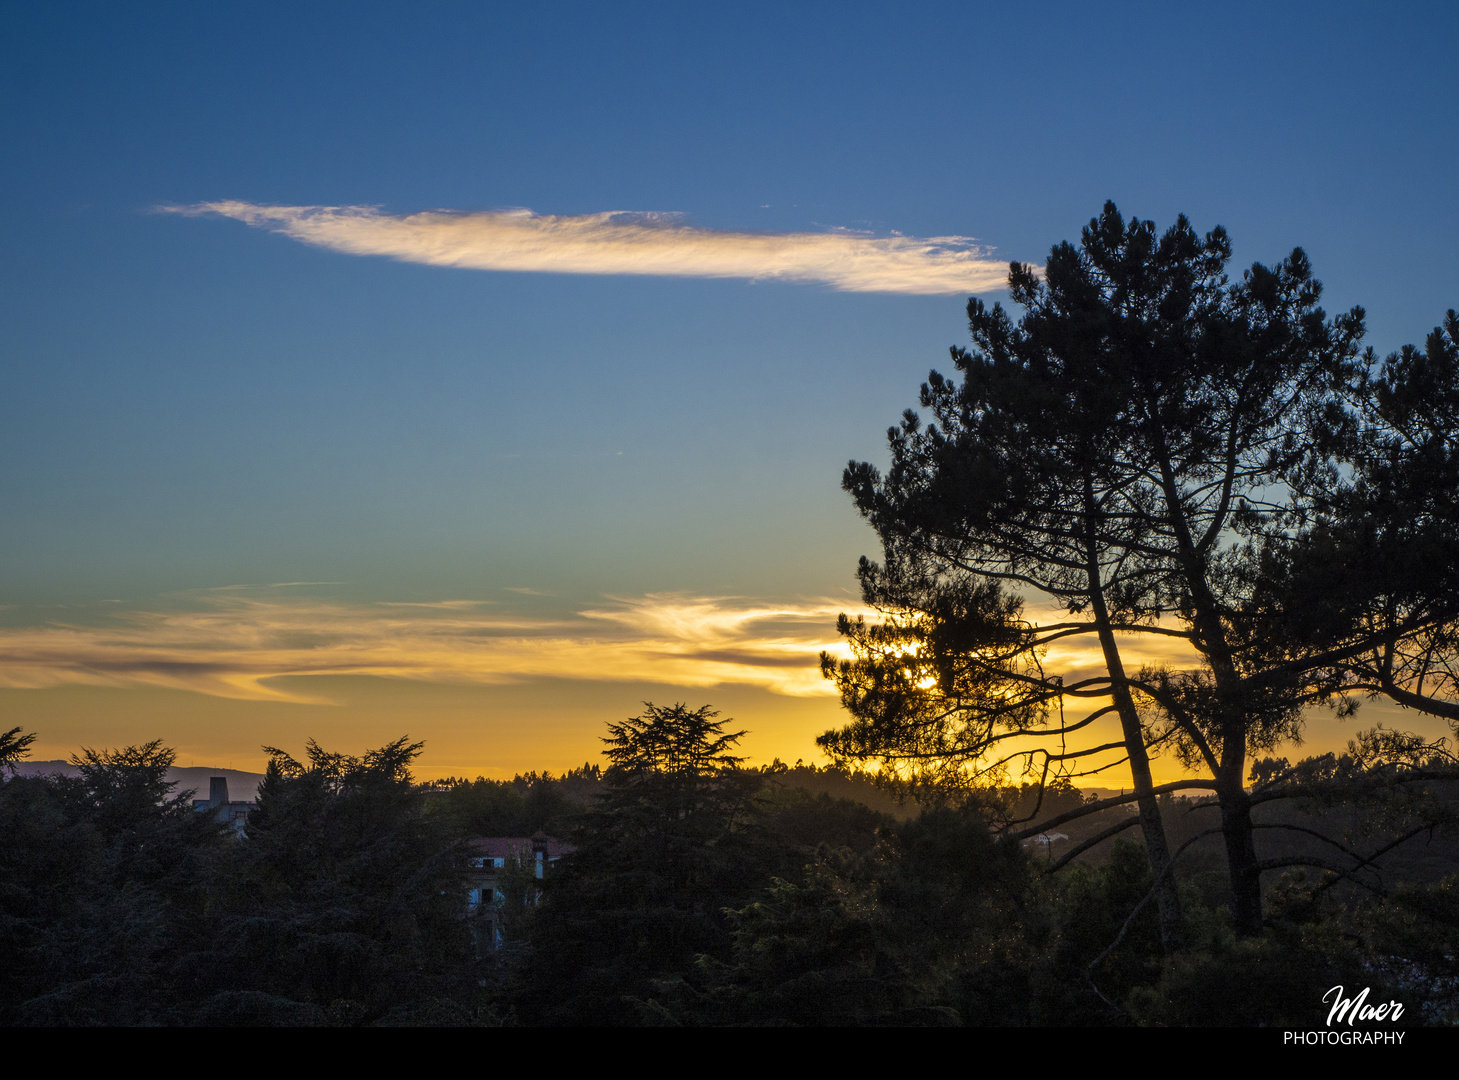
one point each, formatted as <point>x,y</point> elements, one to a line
<point>631,243</point>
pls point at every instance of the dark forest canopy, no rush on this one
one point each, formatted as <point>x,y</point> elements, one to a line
<point>699,893</point>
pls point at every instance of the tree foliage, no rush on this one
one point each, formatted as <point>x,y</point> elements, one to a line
<point>104,891</point>
<point>657,860</point>
<point>1369,586</point>
<point>522,806</point>
<point>347,896</point>
<point>14,745</point>
<point>799,908</point>
<point>1154,451</point>
<point>343,903</point>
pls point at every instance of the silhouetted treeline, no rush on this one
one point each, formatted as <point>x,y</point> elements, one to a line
<point>717,897</point>
<point>700,892</point>
<point>119,904</point>
<point>533,802</point>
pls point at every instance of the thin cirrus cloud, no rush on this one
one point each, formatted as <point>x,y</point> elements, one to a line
<point>631,243</point>
<point>232,645</point>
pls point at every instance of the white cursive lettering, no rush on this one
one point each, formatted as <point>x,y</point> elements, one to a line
<point>1356,1008</point>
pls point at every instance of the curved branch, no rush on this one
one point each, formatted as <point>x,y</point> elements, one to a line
<point>1114,800</point>
<point>1307,860</point>
<point>1345,786</point>
<point>1325,839</point>
<point>1074,853</point>
<point>1154,887</point>
<point>1384,850</point>
<point>1183,718</point>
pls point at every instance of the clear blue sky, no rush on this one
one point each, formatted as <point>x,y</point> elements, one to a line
<point>188,403</point>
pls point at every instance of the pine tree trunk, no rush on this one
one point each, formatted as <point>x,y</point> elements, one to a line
<point>1167,897</point>
<point>1236,827</point>
<point>1241,859</point>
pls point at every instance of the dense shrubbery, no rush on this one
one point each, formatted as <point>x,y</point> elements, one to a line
<point>700,893</point>
<point>104,884</point>
<point>121,905</point>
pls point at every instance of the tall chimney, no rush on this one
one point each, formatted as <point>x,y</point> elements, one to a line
<point>218,790</point>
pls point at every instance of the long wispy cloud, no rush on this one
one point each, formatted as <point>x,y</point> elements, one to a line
<point>631,243</point>
<point>235,643</point>
<point>231,645</point>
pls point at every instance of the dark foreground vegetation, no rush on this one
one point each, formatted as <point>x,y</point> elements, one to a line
<point>700,893</point>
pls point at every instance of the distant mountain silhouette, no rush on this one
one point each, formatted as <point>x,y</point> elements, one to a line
<point>242,786</point>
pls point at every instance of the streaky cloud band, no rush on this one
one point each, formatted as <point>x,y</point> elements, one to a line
<point>618,242</point>
<point>226,644</point>
<point>233,645</point>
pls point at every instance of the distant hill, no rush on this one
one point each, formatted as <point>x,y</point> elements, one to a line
<point>242,786</point>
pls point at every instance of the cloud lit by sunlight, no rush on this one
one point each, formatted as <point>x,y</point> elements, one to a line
<point>1081,657</point>
<point>230,645</point>
<point>631,243</point>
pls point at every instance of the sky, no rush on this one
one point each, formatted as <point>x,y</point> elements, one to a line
<point>482,371</point>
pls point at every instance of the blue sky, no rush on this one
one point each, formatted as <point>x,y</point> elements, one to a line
<point>188,403</point>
